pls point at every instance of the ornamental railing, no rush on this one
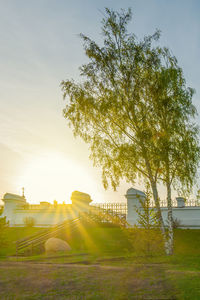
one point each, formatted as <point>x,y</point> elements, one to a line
<point>116,207</point>
<point>163,203</point>
<point>192,202</point>
<point>29,244</point>
<point>188,203</point>
<point>121,208</point>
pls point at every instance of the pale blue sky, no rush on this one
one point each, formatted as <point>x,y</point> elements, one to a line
<point>40,47</point>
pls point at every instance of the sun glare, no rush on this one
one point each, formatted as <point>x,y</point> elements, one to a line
<point>54,177</point>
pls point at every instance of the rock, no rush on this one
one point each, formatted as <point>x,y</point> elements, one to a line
<point>53,245</point>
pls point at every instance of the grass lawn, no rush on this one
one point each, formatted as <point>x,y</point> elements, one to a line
<point>13,234</point>
<point>103,268</point>
<point>63,281</point>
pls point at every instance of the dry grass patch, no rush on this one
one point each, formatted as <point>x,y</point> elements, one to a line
<point>57,281</point>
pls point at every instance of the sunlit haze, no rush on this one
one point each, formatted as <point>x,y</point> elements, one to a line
<point>39,48</point>
<point>52,176</point>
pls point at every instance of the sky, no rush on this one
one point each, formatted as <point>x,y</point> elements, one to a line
<point>39,48</point>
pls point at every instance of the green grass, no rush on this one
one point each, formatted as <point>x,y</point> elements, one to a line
<point>102,266</point>
<point>186,284</point>
<point>12,234</point>
<point>100,240</point>
<point>88,239</point>
<point>187,241</point>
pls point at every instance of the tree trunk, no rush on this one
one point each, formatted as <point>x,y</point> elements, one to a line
<point>159,215</point>
<point>157,203</point>
<point>170,221</point>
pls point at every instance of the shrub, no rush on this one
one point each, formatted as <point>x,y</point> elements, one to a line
<point>176,223</point>
<point>146,238</point>
<point>147,217</point>
<point>3,227</point>
<point>1,210</point>
<point>146,242</point>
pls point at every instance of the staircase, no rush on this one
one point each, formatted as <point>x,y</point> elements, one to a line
<point>94,216</point>
<point>97,214</point>
<point>36,241</point>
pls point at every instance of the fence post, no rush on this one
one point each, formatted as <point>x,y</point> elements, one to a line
<point>133,197</point>
<point>180,202</point>
<point>17,249</point>
<point>32,249</point>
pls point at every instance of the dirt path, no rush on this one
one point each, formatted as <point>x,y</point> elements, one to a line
<point>60,265</point>
<point>29,280</point>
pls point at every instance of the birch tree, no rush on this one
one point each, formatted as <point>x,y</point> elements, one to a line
<point>176,132</point>
<point>116,107</point>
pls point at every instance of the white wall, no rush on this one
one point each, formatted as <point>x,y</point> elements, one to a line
<point>16,210</point>
<point>188,216</point>
<point>42,217</point>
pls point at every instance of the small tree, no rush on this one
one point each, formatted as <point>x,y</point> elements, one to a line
<point>147,217</point>
<point>146,233</point>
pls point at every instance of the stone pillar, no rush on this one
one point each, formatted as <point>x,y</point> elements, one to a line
<point>11,203</point>
<point>80,202</point>
<point>180,202</point>
<point>133,197</point>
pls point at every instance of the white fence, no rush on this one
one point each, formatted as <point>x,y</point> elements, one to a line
<point>187,213</point>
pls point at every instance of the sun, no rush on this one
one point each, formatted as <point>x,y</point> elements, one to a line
<point>52,177</point>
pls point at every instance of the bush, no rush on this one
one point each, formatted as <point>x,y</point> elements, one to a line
<point>3,227</point>
<point>1,210</point>
<point>146,238</point>
<point>147,242</point>
<point>29,222</point>
<point>176,223</point>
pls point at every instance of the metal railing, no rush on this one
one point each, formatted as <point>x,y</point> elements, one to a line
<point>192,202</point>
<point>188,203</point>
<point>163,203</point>
<point>39,239</point>
<point>99,215</point>
<point>121,208</point>
<point>116,207</point>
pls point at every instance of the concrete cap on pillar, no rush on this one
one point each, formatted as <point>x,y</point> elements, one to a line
<point>180,201</point>
<point>134,192</point>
